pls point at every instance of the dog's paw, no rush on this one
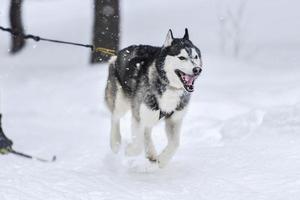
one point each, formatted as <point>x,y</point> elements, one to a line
<point>115,147</point>
<point>142,166</point>
<point>153,159</point>
<point>115,142</point>
<point>162,161</point>
<point>161,164</point>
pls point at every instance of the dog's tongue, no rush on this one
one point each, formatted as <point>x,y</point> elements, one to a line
<point>189,79</point>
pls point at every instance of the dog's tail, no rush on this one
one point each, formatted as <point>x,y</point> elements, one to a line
<point>112,61</point>
<point>111,84</point>
<point>112,66</point>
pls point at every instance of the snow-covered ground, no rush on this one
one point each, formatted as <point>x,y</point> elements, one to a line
<point>240,139</point>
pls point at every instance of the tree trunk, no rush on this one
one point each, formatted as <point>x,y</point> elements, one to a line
<point>106,28</point>
<point>16,25</point>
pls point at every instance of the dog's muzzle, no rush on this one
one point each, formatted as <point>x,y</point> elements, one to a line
<point>187,79</point>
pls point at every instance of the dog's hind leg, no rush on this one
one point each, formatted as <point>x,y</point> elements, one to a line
<point>121,106</point>
<point>115,135</point>
<point>137,144</point>
<point>117,103</point>
<point>150,151</point>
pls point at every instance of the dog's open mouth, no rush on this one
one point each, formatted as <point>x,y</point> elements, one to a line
<point>187,80</point>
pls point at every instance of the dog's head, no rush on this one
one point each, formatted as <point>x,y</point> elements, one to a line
<point>182,61</point>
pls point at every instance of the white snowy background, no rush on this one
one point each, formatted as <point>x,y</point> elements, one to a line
<point>240,139</point>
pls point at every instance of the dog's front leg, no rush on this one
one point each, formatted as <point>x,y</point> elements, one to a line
<point>137,144</point>
<point>173,135</point>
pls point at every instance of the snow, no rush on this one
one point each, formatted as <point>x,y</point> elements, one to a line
<point>240,138</point>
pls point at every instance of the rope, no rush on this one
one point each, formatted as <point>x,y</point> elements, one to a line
<point>103,50</point>
<point>30,157</point>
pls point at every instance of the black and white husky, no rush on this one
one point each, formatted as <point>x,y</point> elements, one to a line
<point>155,83</point>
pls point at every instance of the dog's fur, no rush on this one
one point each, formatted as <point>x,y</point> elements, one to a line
<point>154,83</point>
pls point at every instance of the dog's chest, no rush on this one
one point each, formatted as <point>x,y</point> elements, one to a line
<point>169,100</point>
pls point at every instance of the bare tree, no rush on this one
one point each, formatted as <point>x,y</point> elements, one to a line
<point>230,22</point>
<point>15,16</point>
<point>106,28</point>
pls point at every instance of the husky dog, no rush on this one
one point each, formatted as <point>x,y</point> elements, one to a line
<point>155,83</point>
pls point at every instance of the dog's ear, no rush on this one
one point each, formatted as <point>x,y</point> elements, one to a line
<point>186,34</point>
<point>169,39</point>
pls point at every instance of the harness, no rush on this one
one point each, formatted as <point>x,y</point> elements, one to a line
<point>163,114</point>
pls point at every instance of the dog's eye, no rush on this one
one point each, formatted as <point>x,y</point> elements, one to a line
<point>182,58</point>
<point>196,57</point>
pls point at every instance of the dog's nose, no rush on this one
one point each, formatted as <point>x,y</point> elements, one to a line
<point>197,70</point>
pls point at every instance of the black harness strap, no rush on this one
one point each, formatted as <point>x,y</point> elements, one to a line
<point>165,114</point>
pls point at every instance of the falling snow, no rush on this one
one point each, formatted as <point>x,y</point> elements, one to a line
<point>240,138</point>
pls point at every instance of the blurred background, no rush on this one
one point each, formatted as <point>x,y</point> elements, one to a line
<point>243,29</point>
<point>240,138</point>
